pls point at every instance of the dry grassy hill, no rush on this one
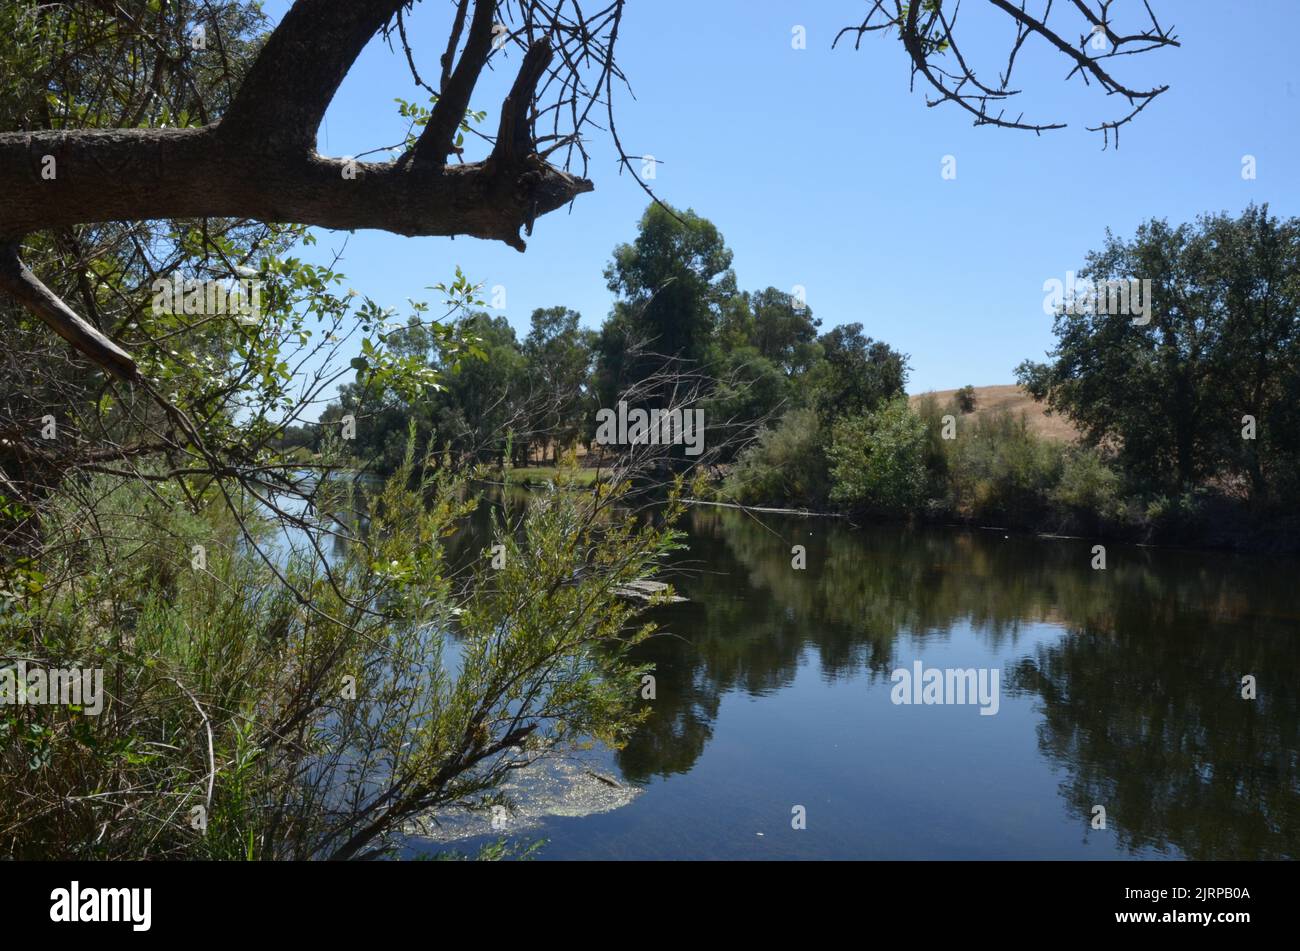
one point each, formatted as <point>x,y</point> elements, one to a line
<point>991,399</point>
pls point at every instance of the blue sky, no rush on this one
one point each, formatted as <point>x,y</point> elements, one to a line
<point>821,169</point>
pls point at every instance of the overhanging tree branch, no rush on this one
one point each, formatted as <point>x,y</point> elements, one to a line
<point>928,31</point>
<point>259,161</point>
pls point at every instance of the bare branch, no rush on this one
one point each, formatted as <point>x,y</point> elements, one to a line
<point>435,142</point>
<point>928,35</point>
<point>19,281</point>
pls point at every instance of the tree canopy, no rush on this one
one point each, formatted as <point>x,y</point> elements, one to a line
<point>1175,394</point>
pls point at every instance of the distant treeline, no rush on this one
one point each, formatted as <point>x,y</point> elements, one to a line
<point>1189,414</point>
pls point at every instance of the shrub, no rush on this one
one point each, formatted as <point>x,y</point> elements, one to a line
<point>785,465</point>
<point>1176,518</point>
<point>1000,469</point>
<point>1088,488</point>
<point>936,447</point>
<point>287,708</point>
<point>878,460</point>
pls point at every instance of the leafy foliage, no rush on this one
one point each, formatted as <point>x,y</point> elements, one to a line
<point>878,460</point>
<point>1222,342</point>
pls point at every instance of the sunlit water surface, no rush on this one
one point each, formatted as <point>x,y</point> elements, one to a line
<point>1119,688</point>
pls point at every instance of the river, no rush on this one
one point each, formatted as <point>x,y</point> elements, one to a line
<point>775,731</point>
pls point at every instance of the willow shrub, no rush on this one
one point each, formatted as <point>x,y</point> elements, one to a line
<point>999,469</point>
<point>785,465</point>
<point>269,708</point>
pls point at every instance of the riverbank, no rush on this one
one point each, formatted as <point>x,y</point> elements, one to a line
<point>1218,527</point>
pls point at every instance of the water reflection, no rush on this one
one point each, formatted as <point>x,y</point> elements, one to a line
<point>1138,701</point>
<point>1121,687</point>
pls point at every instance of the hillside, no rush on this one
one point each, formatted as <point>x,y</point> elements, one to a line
<point>991,399</point>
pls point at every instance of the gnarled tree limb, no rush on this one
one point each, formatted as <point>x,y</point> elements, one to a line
<point>192,173</point>
<point>259,161</point>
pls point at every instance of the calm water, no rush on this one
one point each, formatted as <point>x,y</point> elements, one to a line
<point>1119,688</point>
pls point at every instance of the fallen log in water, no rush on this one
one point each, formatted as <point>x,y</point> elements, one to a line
<point>770,511</point>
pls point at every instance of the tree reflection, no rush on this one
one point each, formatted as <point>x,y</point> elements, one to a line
<point>1140,698</point>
